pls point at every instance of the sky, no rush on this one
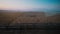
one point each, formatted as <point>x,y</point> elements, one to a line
<point>29,5</point>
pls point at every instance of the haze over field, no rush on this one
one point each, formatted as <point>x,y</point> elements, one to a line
<point>49,6</point>
<point>29,11</point>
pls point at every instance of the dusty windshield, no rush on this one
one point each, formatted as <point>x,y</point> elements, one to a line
<point>41,14</point>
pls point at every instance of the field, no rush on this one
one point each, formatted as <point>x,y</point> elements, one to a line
<point>27,17</point>
<point>28,23</point>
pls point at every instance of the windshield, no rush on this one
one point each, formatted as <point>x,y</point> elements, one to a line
<point>37,15</point>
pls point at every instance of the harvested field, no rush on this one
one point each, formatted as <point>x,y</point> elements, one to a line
<point>27,17</point>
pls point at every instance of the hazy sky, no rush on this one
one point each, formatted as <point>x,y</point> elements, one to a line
<point>29,4</point>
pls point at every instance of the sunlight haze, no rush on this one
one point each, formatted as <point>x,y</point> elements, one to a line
<point>29,4</point>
